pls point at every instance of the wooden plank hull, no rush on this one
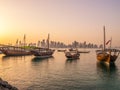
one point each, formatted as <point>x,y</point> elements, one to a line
<point>84,51</point>
<point>69,55</point>
<point>43,54</point>
<point>61,50</point>
<point>107,58</point>
<point>72,57</point>
<point>16,52</point>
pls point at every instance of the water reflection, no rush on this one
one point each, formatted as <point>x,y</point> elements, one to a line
<point>13,57</point>
<point>71,63</point>
<point>36,59</point>
<point>71,60</point>
<point>106,70</point>
<point>41,66</point>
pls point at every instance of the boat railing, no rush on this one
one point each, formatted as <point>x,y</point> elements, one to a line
<point>112,50</point>
<point>115,52</point>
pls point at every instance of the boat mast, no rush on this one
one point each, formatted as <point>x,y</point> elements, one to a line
<point>48,40</point>
<point>110,42</point>
<point>24,39</point>
<point>104,39</point>
<point>75,45</point>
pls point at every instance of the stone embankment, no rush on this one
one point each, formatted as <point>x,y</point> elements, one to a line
<point>4,85</point>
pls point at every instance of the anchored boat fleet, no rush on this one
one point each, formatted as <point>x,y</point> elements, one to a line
<point>107,55</point>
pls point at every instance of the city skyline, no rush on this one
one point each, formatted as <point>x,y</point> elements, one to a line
<point>65,20</point>
<point>57,44</point>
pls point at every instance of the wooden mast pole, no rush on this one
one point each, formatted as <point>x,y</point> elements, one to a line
<point>110,42</point>
<point>48,40</point>
<point>104,47</point>
<point>24,39</point>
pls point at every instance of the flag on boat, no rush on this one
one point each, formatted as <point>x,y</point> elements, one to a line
<point>108,42</point>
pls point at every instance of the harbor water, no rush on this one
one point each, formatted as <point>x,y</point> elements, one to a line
<point>58,73</point>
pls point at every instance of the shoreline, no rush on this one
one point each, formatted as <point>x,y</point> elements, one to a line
<point>4,85</point>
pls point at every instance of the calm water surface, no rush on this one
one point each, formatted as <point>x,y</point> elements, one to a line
<point>58,73</point>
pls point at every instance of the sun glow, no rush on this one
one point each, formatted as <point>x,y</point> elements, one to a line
<point>2,26</point>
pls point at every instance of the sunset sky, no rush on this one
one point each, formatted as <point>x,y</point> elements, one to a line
<point>65,20</point>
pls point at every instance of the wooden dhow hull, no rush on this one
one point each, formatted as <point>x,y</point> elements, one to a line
<point>0,52</point>
<point>16,52</point>
<point>106,58</point>
<point>69,55</point>
<point>61,50</point>
<point>72,57</point>
<point>109,55</point>
<point>43,53</point>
